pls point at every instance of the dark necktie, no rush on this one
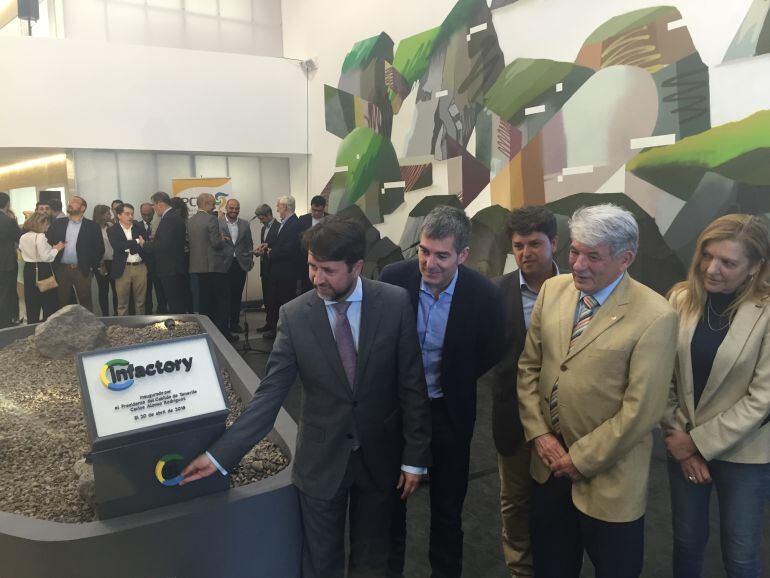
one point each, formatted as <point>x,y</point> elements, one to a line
<point>346,347</point>
<point>149,229</point>
<point>590,305</point>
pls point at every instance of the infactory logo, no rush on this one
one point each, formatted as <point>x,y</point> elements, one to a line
<point>119,374</point>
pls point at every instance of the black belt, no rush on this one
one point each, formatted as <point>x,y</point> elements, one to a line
<point>134,264</point>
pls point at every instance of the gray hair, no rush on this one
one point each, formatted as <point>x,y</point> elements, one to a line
<point>444,222</point>
<point>605,224</point>
<point>288,201</point>
<point>263,211</point>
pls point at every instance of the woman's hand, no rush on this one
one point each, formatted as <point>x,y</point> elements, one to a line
<point>696,470</point>
<point>679,444</point>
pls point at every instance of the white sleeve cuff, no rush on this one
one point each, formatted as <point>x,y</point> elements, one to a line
<point>414,470</point>
<point>216,463</point>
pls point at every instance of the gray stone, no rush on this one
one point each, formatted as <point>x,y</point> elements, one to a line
<point>70,330</point>
<point>86,486</point>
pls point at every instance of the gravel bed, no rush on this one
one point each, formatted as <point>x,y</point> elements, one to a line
<point>43,433</point>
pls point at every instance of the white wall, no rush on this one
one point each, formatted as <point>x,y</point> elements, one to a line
<point>243,26</point>
<point>73,94</point>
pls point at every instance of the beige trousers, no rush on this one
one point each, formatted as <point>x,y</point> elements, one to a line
<point>133,280</point>
<point>515,500</point>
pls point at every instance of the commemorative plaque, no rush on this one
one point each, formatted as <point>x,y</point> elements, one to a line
<point>150,409</point>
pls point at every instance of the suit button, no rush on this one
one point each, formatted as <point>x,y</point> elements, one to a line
<point>349,436</point>
<point>563,368</point>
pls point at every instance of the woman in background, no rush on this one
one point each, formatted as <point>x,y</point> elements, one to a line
<point>103,217</point>
<point>715,427</point>
<point>38,258</point>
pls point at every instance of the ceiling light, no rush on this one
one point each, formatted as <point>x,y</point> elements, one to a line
<point>33,163</point>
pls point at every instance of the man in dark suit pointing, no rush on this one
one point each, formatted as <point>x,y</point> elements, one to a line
<point>365,417</point>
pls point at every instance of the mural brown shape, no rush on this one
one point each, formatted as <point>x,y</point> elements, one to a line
<point>521,181</point>
<point>652,46</point>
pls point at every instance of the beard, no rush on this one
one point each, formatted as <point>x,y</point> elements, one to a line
<point>337,295</point>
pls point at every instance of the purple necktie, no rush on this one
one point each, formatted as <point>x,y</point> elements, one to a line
<point>344,337</point>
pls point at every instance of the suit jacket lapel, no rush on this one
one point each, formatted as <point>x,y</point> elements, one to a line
<point>516,308</point>
<point>685,363</point>
<point>567,317</point>
<point>611,312</point>
<point>462,299</point>
<point>319,325</point>
<point>740,329</point>
<point>370,319</point>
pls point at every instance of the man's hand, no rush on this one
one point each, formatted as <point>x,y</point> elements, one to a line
<point>679,444</point>
<point>140,240</point>
<point>563,467</point>
<point>696,470</point>
<point>225,238</point>
<point>549,449</point>
<point>200,467</point>
<point>409,483</point>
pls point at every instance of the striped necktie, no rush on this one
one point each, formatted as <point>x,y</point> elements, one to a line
<point>590,304</point>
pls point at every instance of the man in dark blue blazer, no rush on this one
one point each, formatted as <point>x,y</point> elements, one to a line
<point>128,268</point>
<point>459,326</point>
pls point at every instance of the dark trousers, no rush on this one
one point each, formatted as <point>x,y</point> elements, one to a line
<point>153,282</point>
<point>281,292</point>
<point>271,312</point>
<point>236,279</point>
<point>560,533</point>
<point>9,299</point>
<point>448,486</point>
<point>176,288</point>
<point>69,278</point>
<point>33,298</point>
<point>323,524</point>
<point>214,298</point>
<point>105,283</point>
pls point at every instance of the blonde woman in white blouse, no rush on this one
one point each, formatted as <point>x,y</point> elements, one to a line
<point>38,255</point>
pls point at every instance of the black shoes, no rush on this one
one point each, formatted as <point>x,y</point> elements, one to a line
<point>236,329</point>
<point>264,328</point>
<point>270,334</point>
<point>232,338</point>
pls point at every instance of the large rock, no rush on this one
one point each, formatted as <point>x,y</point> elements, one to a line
<point>70,330</point>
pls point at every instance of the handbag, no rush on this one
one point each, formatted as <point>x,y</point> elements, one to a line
<point>48,283</point>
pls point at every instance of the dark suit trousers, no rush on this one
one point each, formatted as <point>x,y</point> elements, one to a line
<point>69,277</point>
<point>560,533</point>
<point>176,288</point>
<point>153,281</point>
<point>214,298</point>
<point>448,486</point>
<point>323,523</point>
<point>105,283</point>
<point>281,292</point>
<point>236,278</point>
<point>9,299</point>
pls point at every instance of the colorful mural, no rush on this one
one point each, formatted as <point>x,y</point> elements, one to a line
<point>627,121</point>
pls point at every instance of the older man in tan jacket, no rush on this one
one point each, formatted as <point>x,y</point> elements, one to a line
<point>592,385</point>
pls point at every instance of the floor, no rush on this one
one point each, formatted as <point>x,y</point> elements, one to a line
<point>482,553</point>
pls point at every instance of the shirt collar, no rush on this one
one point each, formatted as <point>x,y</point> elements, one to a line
<point>229,222</point>
<point>356,295</point>
<point>602,295</point>
<point>450,289</point>
<point>523,281</point>
<point>166,211</point>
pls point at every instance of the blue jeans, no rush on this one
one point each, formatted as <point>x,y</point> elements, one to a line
<point>742,490</point>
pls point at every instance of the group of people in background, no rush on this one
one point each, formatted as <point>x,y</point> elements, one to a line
<point>583,366</point>
<point>195,263</point>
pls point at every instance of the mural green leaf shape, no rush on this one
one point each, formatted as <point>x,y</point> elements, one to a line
<point>376,160</point>
<point>412,56</point>
<point>630,21</point>
<point>363,51</point>
<point>521,82</point>
<point>738,150</point>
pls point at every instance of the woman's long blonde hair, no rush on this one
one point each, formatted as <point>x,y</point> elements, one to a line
<point>751,232</point>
